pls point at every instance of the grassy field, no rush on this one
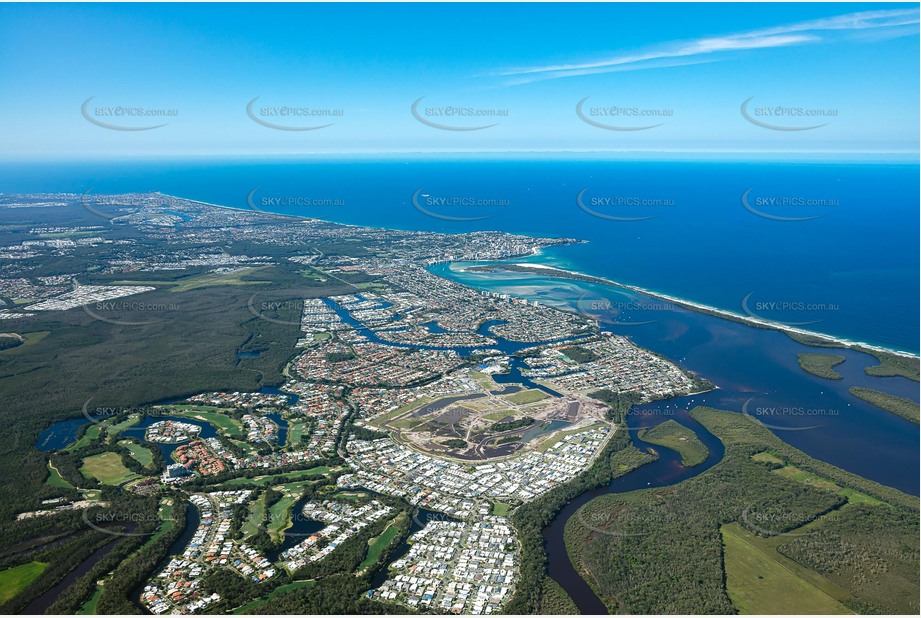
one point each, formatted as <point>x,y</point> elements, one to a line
<point>766,457</point>
<point>280,517</point>
<point>280,512</point>
<point>204,280</point>
<point>351,496</point>
<point>671,434</point>
<point>253,521</point>
<point>497,416</point>
<point>90,435</point>
<point>814,480</point>
<point>500,508</point>
<point>30,339</point>
<point>528,396</point>
<point>377,545</point>
<point>55,479</point>
<point>761,581</point>
<point>13,580</point>
<point>138,452</point>
<point>117,428</point>
<point>264,481</point>
<point>296,432</point>
<point>89,608</point>
<point>107,468</point>
<point>906,408</point>
<point>249,607</point>
<point>821,365</point>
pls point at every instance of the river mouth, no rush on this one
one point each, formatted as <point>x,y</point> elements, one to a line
<point>756,373</point>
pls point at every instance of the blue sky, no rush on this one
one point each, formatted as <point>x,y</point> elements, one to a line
<point>522,69</point>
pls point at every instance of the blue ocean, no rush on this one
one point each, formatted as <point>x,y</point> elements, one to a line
<point>828,247</point>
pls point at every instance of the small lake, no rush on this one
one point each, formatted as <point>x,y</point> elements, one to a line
<point>542,429</point>
<point>282,424</point>
<point>60,434</point>
<point>300,529</point>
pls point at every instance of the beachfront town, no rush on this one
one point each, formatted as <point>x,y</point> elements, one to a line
<point>383,377</point>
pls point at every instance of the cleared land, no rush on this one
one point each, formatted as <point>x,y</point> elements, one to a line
<point>55,479</point>
<point>672,434</point>
<point>107,468</point>
<point>249,607</point>
<point>253,522</point>
<point>204,280</point>
<point>528,396</point>
<point>377,545</point>
<point>12,581</point>
<point>906,408</point>
<point>273,479</point>
<point>142,454</point>
<point>484,425</point>
<point>814,480</point>
<point>821,365</point>
<point>500,508</point>
<point>760,581</point>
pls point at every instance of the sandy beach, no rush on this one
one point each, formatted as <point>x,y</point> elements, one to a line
<point>845,343</point>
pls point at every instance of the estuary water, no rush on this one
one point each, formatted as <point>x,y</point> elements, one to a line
<point>755,370</point>
<point>830,244</point>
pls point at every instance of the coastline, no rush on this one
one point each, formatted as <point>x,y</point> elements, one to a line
<point>571,274</point>
<point>723,313</point>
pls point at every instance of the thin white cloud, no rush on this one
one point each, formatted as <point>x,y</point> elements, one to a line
<point>668,54</point>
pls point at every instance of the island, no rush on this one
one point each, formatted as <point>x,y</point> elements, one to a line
<point>821,365</point>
